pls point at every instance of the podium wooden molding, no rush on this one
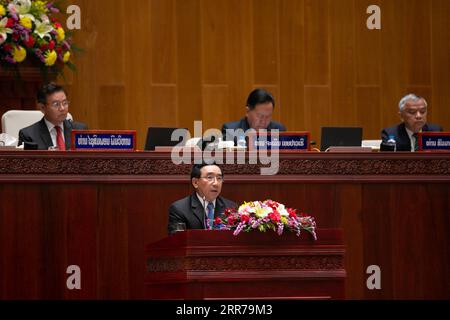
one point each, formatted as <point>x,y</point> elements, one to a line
<point>201,264</point>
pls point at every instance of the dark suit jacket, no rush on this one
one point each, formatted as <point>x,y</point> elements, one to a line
<point>38,133</point>
<point>244,125</point>
<point>191,211</point>
<point>401,136</point>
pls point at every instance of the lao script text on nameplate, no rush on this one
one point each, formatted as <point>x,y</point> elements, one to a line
<point>104,140</point>
<point>284,141</point>
<point>434,141</point>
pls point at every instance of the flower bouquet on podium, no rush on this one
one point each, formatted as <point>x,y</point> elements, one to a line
<point>263,216</point>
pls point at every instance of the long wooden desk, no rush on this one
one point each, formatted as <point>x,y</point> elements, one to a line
<point>99,210</point>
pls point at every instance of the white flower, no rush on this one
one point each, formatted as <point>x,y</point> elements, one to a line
<point>3,30</point>
<point>23,7</point>
<point>282,210</point>
<point>43,29</point>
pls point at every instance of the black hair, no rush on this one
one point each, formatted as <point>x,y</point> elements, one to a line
<point>258,96</point>
<point>46,90</point>
<point>196,169</point>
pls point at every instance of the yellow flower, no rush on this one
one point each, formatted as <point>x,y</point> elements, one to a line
<point>26,22</point>
<point>50,58</point>
<point>19,54</point>
<point>2,10</point>
<point>66,56</point>
<point>61,34</point>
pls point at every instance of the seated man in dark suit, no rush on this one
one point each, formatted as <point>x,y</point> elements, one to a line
<point>53,130</point>
<point>413,113</point>
<point>198,210</point>
<point>260,105</point>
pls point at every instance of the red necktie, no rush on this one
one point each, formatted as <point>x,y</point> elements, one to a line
<point>59,139</point>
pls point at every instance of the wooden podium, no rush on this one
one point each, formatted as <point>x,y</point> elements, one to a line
<point>201,264</point>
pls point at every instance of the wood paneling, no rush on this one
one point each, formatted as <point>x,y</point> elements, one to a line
<point>317,56</point>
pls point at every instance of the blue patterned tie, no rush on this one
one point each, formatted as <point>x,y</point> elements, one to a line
<point>210,208</point>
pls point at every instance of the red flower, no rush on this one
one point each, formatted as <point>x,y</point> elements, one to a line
<point>245,218</point>
<point>43,47</point>
<point>51,45</point>
<point>15,37</point>
<point>30,43</point>
<point>9,23</point>
<point>231,221</point>
<point>292,212</point>
<point>59,50</point>
<point>274,216</point>
<point>57,24</point>
<point>7,47</point>
<point>217,220</point>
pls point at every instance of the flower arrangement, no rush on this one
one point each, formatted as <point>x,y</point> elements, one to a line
<point>29,30</point>
<point>263,216</point>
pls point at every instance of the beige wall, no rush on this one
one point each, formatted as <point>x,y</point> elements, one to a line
<point>170,62</point>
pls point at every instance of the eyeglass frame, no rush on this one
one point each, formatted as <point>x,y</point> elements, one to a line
<point>57,104</point>
<point>211,178</point>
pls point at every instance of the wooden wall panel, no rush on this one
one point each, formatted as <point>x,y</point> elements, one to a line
<point>292,53</point>
<point>297,48</point>
<point>189,63</point>
<point>317,38</point>
<point>214,41</point>
<point>342,104</point>
<point>440,63</point>
<point>163,43</point>
<point>367,54</point>
<point>216,97</point>
<point>265,41</point>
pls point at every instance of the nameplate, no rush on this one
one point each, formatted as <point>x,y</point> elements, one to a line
<point>104,140</point>
<point>434,141</point>
<point>286,141</point>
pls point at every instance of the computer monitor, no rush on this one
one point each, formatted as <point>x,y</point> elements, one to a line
<point>161,136</point>
<point>340,137</point>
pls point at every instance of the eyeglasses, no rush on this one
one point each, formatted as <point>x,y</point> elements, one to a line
<point>212,178</point>
<point>58,104</point>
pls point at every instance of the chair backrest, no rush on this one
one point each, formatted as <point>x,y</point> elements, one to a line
<point>14,120</point>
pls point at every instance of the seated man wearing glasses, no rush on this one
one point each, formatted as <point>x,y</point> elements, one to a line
<point>198,210</point>
<point>53,130</point>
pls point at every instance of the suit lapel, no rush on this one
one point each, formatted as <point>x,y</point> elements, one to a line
<point>220,207</point>
<point>198,209</point>
<point>45,134</point>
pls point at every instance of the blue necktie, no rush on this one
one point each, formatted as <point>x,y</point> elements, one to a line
<point>210,209</point>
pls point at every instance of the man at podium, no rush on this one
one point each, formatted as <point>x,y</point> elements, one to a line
<point>198,210</point>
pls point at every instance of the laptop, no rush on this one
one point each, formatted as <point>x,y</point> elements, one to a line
<point>161,136</point>
<point>341,137</point>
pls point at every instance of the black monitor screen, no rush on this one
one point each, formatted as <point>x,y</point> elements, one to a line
<point>340,137</point>
<point>160,136</point>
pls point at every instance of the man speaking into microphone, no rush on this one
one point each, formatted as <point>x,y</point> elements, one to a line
<point>53,130</point>
<point>198,210</point>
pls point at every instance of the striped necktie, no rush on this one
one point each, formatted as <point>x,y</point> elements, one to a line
<point>210,209</point>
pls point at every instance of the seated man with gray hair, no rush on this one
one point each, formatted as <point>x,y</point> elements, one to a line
<point>413,113</point>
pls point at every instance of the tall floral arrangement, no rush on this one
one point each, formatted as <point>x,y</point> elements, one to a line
<point>263,216</point>
<point>29,30</point>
